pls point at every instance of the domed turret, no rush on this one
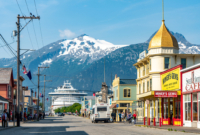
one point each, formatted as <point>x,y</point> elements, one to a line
<point>163,38</point>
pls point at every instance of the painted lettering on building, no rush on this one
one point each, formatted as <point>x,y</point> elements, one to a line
<point>191,81</point>
<point>170,80</point>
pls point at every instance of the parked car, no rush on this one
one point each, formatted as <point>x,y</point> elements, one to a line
<point>61,114</point>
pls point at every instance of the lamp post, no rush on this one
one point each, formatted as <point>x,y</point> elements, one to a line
<point>14,102</point>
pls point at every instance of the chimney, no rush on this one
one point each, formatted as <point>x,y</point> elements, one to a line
<point>115,75</point>
<point>35,94</point>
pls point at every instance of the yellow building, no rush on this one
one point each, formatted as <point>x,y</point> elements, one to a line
<point>124,93</point>
<point>163,54</point>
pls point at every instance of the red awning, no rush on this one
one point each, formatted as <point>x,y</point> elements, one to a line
<point>113,106</point>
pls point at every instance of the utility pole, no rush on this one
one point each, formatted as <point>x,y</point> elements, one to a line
<point>18,60</point>
<point>43,101</point>
<point>38,102</point>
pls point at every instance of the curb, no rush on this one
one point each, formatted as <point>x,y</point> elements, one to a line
<point>166,129</point>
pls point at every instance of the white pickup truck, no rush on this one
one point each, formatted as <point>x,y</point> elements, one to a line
<point>100,112</point>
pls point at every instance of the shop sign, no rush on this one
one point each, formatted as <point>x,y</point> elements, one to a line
<point>191,81</point>
<point>142,55</point>
<point>165,94</point>
<point>171,80</point>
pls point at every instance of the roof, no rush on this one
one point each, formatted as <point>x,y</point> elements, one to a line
<point>128,81</point>
<point>191,67</point>
<point>5,75</point>
<point>163,38</point>
<point>3,99</point>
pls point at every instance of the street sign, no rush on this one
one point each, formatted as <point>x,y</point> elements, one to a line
<point>117,105</point>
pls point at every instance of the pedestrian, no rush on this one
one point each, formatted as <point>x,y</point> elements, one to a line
<point>129,118</point>
<point>24,116</point>
<point>120,116</point>
<point>123,116</point>
<point>134,117</point>
<point>112,115</point>
<point>4,118</point>
<point>43,115</point>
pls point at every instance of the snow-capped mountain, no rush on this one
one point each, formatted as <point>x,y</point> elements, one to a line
<point>85,46</point>
<point>81,60</point>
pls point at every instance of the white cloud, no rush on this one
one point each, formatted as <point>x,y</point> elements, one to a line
<point>66,33</point>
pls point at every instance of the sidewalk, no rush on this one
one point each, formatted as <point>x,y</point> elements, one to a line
<point>173,128</point>
<point>10,124</point>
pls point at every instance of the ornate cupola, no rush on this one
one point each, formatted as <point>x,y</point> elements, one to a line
<point>163,39</point>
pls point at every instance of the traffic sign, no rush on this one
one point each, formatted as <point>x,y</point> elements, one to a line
<point>117,105</point>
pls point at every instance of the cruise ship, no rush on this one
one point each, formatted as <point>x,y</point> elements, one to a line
<point>65,95</point>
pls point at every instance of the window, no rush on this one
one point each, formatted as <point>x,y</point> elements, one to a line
<point>187,105</point>
<point>127,93</point>
<point>124,104</point>
<point>147,85</point>
<point>194,106</point>
<point>177,108</point>
<point>101,109</point>
<point>199,104</point>
<point>139,88</point>
<point>183,62</point>
<point>147,71</point>
<point>143,87</point>
<point>144,71</point>
<point>9,91</point>
<point>167,62</point>
<point>138,72</point>
<point>150,64</point>
<point>150,84</point>
<point>165,108</point>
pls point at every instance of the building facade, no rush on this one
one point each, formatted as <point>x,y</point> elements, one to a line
<point>163,54</point>
<point>191,96</point>
<point>6,88</point>
<point>124,93</point>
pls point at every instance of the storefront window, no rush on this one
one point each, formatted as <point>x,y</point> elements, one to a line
<point>165,107</point>
<point>199,104</point>
<point>187,103</point>
<point>195,107</point>
<point>177,108</point>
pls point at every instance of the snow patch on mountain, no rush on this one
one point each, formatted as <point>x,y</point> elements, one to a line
<point>84,46</point>
<point>48,61</point>
<point>181,45</point>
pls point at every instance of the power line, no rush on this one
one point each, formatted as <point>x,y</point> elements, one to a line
<point>41,34</point>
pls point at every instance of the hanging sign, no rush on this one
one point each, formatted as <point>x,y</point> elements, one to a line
<point>170,79</point>
<point>165,94</point>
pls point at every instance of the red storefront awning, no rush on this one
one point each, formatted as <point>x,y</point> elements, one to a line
<point>113,106</point>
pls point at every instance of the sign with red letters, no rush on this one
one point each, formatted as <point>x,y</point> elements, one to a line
<point>165,94</point>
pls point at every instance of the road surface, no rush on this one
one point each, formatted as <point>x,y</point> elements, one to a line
<point>74,125</point>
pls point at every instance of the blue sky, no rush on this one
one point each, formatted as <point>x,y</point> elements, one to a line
<point>116,21</point>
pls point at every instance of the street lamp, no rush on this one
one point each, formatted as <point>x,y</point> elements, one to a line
<point>14,102</point>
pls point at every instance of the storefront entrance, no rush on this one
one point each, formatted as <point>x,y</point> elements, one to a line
<point>171,113</point>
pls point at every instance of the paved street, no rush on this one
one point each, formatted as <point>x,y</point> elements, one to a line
<point>72,125</point>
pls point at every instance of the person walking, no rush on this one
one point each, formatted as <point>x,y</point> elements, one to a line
<point>4,118</point>
<point>120,116</point>
<point>129,118</point>
<point>134,117</point>
<point>123,116</point>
